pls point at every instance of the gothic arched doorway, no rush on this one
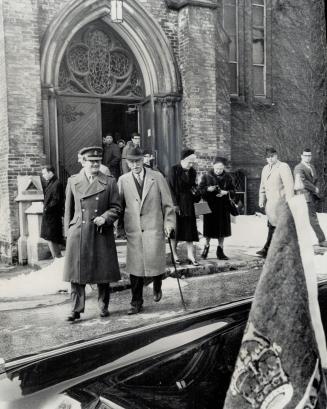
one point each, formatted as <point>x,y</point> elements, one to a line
<point>99,70</point>
<point>100,88</point>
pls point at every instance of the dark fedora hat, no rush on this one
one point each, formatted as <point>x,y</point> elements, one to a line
<point>91,153</point>
<point>134,153</point>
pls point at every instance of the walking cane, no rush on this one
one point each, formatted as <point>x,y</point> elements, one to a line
<point>176,273</point>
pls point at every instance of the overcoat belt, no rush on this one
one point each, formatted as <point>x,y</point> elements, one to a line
<point>91,255</point>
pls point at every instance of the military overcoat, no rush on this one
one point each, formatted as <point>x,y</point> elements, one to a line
<point>91,255</point>
<point>144,221</point>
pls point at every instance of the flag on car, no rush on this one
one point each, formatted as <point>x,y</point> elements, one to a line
<point>283,354</point>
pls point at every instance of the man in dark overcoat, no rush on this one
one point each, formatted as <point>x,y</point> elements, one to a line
<point>53,206</point>
<point>306,174</point>
<point>92,206</point>
<point>111,156</point>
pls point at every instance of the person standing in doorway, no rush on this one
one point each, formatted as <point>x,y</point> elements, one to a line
<point>51,225</point>
<point>276,186</point>
<point>92,206</point>
<point>149,217</point>
<point>307,174</point>
<point>133,143</point>
<point>111,156</point>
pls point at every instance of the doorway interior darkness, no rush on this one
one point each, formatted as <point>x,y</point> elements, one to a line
<point>119,120</point>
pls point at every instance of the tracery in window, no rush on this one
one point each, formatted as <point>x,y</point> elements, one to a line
<point>97,62</point>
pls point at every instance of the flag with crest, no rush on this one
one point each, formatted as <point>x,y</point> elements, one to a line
<point>283,354</point>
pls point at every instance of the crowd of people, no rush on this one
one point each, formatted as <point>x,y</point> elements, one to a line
<point>117,187</point>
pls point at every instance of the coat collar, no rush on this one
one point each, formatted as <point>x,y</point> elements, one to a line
<point>85,188</point>
<point>148,182</point>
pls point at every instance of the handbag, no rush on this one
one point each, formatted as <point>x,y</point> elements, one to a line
<point>201,207</point>
<point>233,209</point>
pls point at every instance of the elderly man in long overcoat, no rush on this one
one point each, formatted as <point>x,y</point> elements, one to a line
<point>92,206</point>
<point>148,216</point>
<point>276,186</point>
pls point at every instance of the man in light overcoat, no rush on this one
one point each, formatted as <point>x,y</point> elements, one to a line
<point>149,216</point>
<point>276,187</point>
<point>92,206</point>
<point>306,173</point>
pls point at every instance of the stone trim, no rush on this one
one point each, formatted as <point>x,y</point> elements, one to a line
<point>178,4</point>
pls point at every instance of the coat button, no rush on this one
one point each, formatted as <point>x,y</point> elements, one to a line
<point>83,210</point>
<point>97,198</point>
<point>83,222</point>
<point>142,231</point>
<point>95,211</point>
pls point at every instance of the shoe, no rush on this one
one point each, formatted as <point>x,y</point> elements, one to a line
<point>220,254</point>
<point>323,243</point>
<point>157,296</point>
<point>262,253</point>
<point>74,316</point>
<point>205,251</point>
<point>177,261</point>
<point>134,310</point>
<point>104,313</point>
<point>193,262</point>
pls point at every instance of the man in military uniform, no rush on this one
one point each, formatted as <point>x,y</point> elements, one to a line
<point>92,206</point>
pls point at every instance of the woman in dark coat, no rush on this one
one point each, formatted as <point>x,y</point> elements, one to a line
<point>182,182</point>
<point>216,186</point>
<point>51,225</point>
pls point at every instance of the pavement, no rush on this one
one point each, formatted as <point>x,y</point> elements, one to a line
<point>32,324</point>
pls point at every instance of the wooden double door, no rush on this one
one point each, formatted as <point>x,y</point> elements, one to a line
<point>82,121</point>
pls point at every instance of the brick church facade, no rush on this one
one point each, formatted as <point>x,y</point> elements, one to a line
<point>225,77</point>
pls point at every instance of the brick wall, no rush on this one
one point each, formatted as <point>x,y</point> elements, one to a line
<point>25,136</point>
<point>291,117</point>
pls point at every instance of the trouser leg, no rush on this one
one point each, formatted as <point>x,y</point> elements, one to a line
<point>157,283</point>
<point>315,223</point>
<point>137,290</point>
<point>271,230</point>
<point>103,296</point>
<point>54,249</point>
<point>77,296</point>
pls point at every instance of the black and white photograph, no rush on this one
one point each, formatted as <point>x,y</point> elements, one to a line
<point>163,204</point>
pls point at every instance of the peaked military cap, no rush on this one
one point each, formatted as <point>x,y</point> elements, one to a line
<point>134,153</point>
<point>92,153</point>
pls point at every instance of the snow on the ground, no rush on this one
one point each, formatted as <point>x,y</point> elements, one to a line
<point>47,280</point>
<point>249,232</point>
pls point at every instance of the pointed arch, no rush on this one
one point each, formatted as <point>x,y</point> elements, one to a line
<point>139,30</point>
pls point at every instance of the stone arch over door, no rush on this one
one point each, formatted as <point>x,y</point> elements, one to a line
<point>152,51</point>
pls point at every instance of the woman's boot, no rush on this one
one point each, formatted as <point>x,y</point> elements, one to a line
<point>220,254</point>
<point>205,251</point>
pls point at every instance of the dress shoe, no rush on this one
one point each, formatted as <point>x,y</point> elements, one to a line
<point>134,310</point>
<point>104,313</point>
<point>262,253</point>
<point>193,262</point>
<point>74,316</point>
<point>205,251</point>
<point>157,296</point>
<point>220,254</point>
<point>323,243</point>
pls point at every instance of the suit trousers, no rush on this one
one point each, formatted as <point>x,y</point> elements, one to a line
<point>78,296</point>
<point>271,230</point>
<point>314,222</point>
<point>137,288</point>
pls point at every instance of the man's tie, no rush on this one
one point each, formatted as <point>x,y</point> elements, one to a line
<point>309,166</point>
<point>138,178</point>
<point>91,178</point>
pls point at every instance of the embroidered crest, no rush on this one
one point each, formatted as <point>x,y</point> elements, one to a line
<point>259,377</point>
